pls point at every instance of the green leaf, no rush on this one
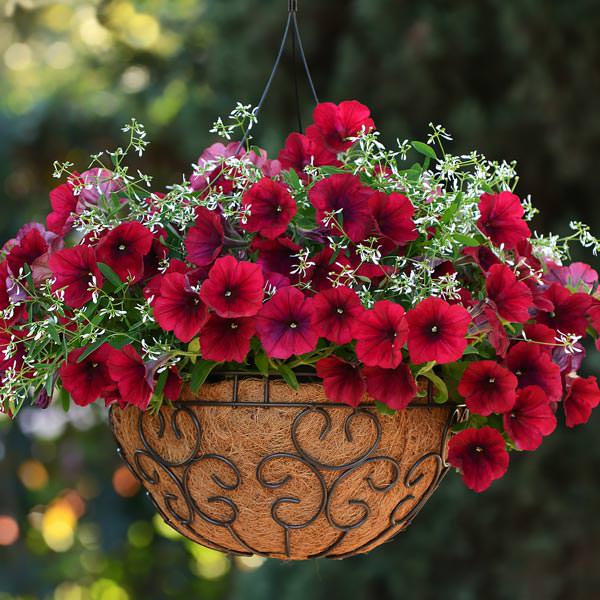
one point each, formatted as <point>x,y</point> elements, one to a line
<point>200,372</point>
<point>452,374</point>
<point>424,149</point>
<point>442,391</point>
<point>262,362</point>
<point>160,384</point>
<point>119,340</point>
<point>466,239</point>
<point>110,275</point>
<point>91,349</point>
<point>451,210</point>
<point>384,409</point>
<point>65,399</point>
<point>289,376</point>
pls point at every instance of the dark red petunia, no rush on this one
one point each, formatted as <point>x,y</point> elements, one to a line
<point>502,219</point>
<point>393,217</point>
<point>482,256</point>
<point>342,381</point>
<point>488,387</point>
<point>129,371</point>
<point>497,335</point>
<point>276,256</point>
<point>346,193</point>
<point>284,325</point>
<point>29,250</point>
<point>334,124</point>
<point>335,311</point>
<point>270,206</point>
<point>480,455</point>
<point>594,315</point>
<point>234,288</point>
<point>178,307</point>
<point>437,331</point>
<point>123,249</point>
<point>394,387</point>
<point>533,366</point>
<point>300,151</point>
<point>204,240</point>
<point>380,333</point>
<point>156,257</point>
<point>88,380</point>
<point>511,297</point>
<point>226,339</point>
<point>569,310</point>
<point>582,397</point>
<point>325,269</point>
<point>76,272</point>
<point>543,334</point>
<point>64,204</point>
<point>173,385</point>
<point>530,419</point>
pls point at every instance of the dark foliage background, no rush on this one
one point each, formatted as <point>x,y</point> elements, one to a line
<point>517,80</point>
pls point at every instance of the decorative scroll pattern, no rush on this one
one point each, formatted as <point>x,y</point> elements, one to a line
<point>168,461</point>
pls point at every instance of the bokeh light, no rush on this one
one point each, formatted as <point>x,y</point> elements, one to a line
<point>58,526</point>
<point>9,530</point>
<point>124,482</point>
<point>33,475</point>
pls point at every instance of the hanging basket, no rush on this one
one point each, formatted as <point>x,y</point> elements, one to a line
<point>249,466</point>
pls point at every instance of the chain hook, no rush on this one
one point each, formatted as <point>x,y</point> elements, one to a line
<point>292,6</point>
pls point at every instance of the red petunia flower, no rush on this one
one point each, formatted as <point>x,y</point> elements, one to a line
<point>488,387</point>
<point>76,272</point>
<point>64,204</point>
<point>345,193</point>
<point>582,397</point>
<point>533,366</point>
<point>530,419</point>
<point>157,255</point>
<point>234,288</point>
<point>393,217</point>
<point>334,124</point>
<point>284,325</point>
<point>123,249</point>
<point>325,269</point>
<point>31,249</point>
<point>276,256</point>
<point>300,151</point>
<point>481,456</point>
<point>497,335</point>
<point>88,380</point>
<point>394,387</point>
<point>336,310</point>
<point>511,297</point>
<point>482,256</point>
<point>204,240</point>
<point>437,331</point>
<point>128,370</point>
<point>568,314</point>
<point>541,333</point>
<point>173,385</point>
<point>271,208</point>
<point>380,333</point>
<point>342,381</point>
<point>178,308</point>
<point>502,219</point>
<point>226,339</point>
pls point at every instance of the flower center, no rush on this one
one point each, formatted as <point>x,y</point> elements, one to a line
<point>234,325</point>
<point>95,365</point>
<point>293,325</point>
<point>478,449</point>
<point>121,247</point>
<point>434,329</point>
<point>227,293</point>
<point>340,310</point>
<point>279,209</point>
<point>492,380</point>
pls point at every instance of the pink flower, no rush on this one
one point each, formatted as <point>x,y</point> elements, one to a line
<point>342,381</point>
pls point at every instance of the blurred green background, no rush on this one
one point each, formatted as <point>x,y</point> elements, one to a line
<point>517,80</point>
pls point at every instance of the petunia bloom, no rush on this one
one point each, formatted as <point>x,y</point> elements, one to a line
<point>233,288</point>
<point>480,455</point>
<point>129,371</point>
<point>270,207</point>
<point>342,381</point>
<point>394,387</point>
<point>204,240</point>
<point>568,314</point>
<point>178,307</point>
<point>437,331</point>
<point>392,215</point>
<point>582,397</point>
<point>344,198</point>
<point>335,312</point>
<point>226,339</point>
<point>88,379</point>
<point>123,249</point>
<point>284,324</point>
<point>325,269</point>
<point>502,219</point>
<point>64,204</point>
<point>511,297</point>
<point>173,385</point>
<point>380,333</point>
<point>299,151</point>
<point>76,272</point>
<point>530,419</point>
<point>488,387</point>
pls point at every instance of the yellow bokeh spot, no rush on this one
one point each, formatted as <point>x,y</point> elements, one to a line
<point>107,589</point>
<point>18,57</point>
<point>92,33</point>
<point>140,534</point>
<point>70,591</point>
<point>58,526</point>
<point>165,530</point>
<point>59,55</point>
<point>249,563</point>
<point>207,563</point>
<point>58,16</point>
<point>142,30</point>
<point>33,475</point>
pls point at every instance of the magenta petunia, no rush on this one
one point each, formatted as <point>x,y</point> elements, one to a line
<point>233,288</point>
<point>31,249</point>
<point>276,256</point>
<point>582,397</point>
<point>480,455</point>
<point>488,387</point>
<point>285,324</point>
<point>76,272</point>
<point>226,339</point>
<point>437,331</point>
<point>335,312</point>
<point>380,333</point>
<point>502,219</point>
<point>204,240</point>
<point>568,314</point>
<point>123,249</point>
<point>511,297</point>
<point>178,307</point>
<point>342,381</point>
<point>394,387</point>
<point>392,215</point>
<point>530,419</point>
<point>270,206</point>
<point>346,196</point>
<point>130,373</point>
